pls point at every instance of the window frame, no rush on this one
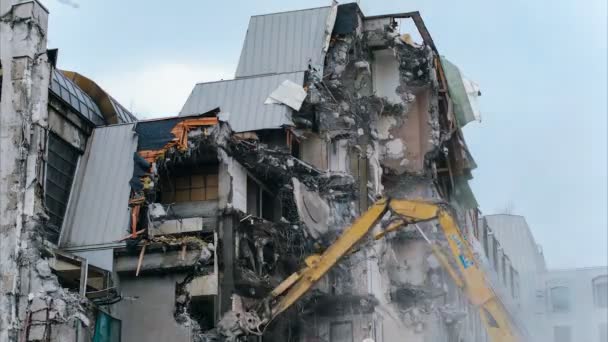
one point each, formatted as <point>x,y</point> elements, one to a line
<point>170,186</point>
<point>595,282</point>
<point>552,296</point>
<point>47,166</point>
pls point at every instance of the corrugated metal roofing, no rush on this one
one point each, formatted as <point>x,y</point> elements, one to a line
<point>75,97</point>
<point>286,42</point>
<point>243,99</point>
<point>98,209</point>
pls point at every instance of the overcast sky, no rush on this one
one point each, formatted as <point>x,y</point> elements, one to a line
<point>541,147</point>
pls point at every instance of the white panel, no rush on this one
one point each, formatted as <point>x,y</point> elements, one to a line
<point>385,72</point>
<point>102,258</point>
<point>239,186</point>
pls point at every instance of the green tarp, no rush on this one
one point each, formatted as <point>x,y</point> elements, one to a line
<point>460,99</point>
<point>107,328</point>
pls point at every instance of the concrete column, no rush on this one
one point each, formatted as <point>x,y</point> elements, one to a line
<point>23,110</point>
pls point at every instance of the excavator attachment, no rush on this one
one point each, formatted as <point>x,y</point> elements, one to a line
<point>468,274</point>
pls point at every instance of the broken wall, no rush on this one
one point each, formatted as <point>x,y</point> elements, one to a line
<point>30,289</point>
<point>380,92</point>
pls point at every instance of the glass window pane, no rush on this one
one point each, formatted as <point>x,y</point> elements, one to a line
<point>560,299</point>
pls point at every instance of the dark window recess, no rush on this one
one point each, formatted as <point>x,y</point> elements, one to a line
<point>495,254</point>
<point>600,291</point>
<point>260,203</point>
<point>562,334</point>
<point>560,299</point>
<point>341,332</point>
<point>1,82</point>
<point>295,148</point>
<point>61,165</point>
<point>486,248</point>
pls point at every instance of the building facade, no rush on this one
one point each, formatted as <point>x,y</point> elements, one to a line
<point>574,304</point>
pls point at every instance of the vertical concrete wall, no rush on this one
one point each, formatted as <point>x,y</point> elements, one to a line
<point>27,284</point>
<point>147,309</point>
<point>23,110</point>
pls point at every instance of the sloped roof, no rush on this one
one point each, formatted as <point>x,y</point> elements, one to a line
<point>242,101</point>
<point>98,209</point>
<point>286,42</point>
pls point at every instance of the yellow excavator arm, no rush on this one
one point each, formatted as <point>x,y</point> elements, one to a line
<point>469,276</point>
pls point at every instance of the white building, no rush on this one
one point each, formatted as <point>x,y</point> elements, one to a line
<point>517,257</point>
<point>574,303</point>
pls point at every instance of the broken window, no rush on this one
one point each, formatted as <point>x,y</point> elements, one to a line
<point>341,332</point>
<point>600,291</point>
<point>74,273</point>
<point>560,299</point>
<point>260,202</point>
<point>201,185</point>
<point>60,168</point>
<point>562,333</point>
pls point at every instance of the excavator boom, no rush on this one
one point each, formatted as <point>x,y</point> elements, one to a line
<point>469,275</point>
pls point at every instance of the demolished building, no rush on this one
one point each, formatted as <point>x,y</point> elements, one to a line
<point>168,224</point>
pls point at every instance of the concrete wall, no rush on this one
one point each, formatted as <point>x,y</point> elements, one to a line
<point>26,282</point>
<point>313,150</point>
<point>147,309</point>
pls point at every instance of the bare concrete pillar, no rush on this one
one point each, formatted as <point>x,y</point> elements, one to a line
<point>23,111</point>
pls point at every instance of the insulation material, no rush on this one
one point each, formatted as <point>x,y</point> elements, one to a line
<point>288,93</point>
<point>313,209</point>
<point>239,185</point>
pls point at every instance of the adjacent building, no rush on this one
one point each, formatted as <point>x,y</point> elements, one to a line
<point>574,304</point>
<point>518,261</point>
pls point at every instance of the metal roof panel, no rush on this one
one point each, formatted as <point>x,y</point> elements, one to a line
<point>98,209</point>
<point>243,99</point>
<point>286,42</point>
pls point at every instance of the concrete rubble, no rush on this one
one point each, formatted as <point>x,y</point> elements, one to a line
<point>210,219</point>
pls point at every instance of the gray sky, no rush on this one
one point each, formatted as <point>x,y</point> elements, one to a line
<point>542,67</point>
